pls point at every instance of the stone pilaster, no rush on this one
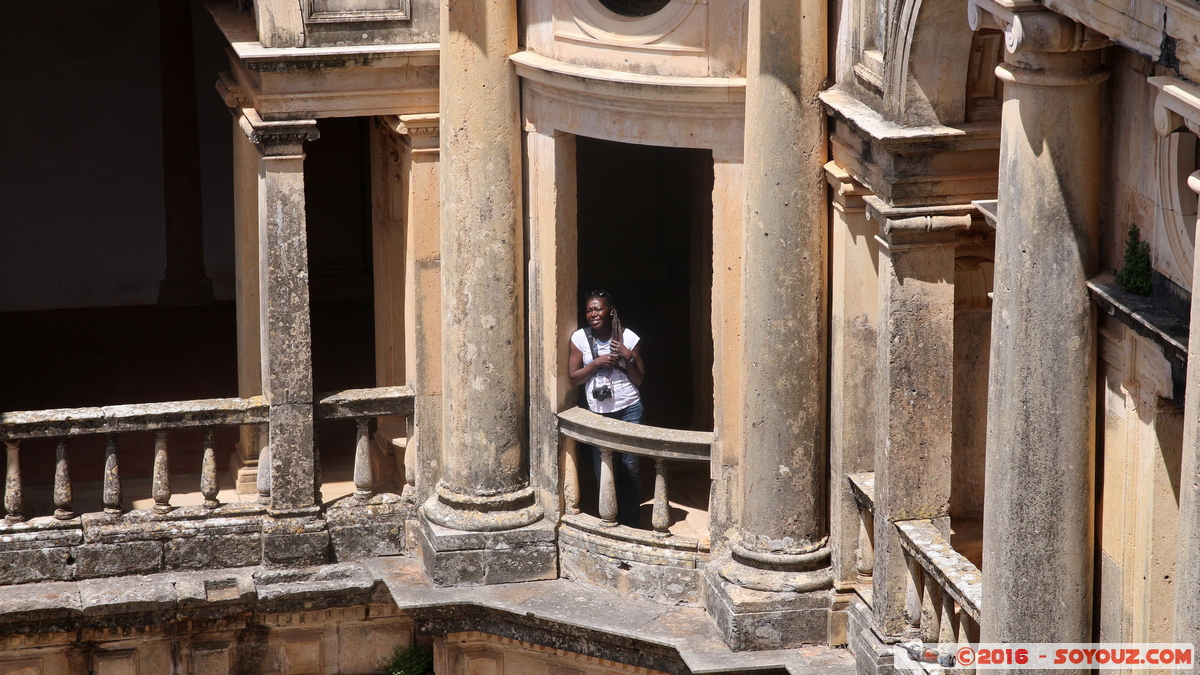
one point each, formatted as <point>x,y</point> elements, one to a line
<point>774,589</point>
<point>292,535</point>
<point>915,389</point>
<point>1039,496</point>
<point>408,324</point>
<point>483,524</point>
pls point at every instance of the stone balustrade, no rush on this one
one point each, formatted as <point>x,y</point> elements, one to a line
<point>67,528</point>
<point>609,435</point>
<point>944,589</point>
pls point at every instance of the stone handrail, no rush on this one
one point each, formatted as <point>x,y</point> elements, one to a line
<point>586,426</point>
<point>112,419</point>
<point>939,579</point>
<point>374,402</point>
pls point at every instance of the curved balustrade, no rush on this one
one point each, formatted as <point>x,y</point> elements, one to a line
<point>611,435</point>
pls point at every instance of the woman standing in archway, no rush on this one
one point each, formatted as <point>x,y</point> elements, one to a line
<point>610,368</point>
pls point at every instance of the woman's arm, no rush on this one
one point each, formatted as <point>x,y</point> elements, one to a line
<point>579,373</point>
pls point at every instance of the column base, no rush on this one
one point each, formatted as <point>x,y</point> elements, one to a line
<point>462,558</point>
<point>751,619</point>
<point>244,472</point>
<point>872,655</point>
<point>472,513</point>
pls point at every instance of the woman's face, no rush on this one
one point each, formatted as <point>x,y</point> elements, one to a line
<point>598,313</point>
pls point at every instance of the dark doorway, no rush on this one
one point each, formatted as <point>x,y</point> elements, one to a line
<point>645,234</point>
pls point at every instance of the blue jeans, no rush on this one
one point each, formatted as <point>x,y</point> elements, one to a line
<point>626,471</point>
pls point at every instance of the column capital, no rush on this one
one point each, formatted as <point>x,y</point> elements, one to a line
<point>277,138</point>
<point>422,130</point>
<point>231,91</point>
<point>1177,106</point>
<point>1028,25</point>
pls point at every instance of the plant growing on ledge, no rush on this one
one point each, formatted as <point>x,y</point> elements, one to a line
<point>1135,276</point>
<point>414,659</point>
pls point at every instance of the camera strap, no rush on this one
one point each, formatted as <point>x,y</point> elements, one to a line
<point>587,330</point>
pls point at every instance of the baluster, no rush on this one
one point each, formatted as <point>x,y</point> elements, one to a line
<point>161,488</point>
<point>968,633</point>
<point>931,609</point>
<point>208,471</point>
<point>912,597</point>
<point>865,556</point>
<point>570,474</point>
<point>264,475</point>
<point>661,518</point>
<point>410,455</point>
<point>112,477</point>
<point>608,488</point>
<point>14,499</point>
<point>363,480</point>
<point>63,495</point>
<point>946,636</point>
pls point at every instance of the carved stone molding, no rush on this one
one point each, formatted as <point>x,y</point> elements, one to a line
<point>1177,106</point>
<point>277,138</point>
<point>1028,25</point>
<point>420,130</point>
<point>907,227</point>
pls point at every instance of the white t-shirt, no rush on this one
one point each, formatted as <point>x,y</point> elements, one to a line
<point>625,393</point>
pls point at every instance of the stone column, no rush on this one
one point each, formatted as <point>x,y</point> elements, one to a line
<point>774,590</point>
<point>293,535</point>
<point>1039,496</point>
<point>485,470</point>
<point>914,386</point>
<point>185,281</point>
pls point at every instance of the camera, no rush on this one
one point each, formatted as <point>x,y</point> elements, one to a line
<point>602,393</point>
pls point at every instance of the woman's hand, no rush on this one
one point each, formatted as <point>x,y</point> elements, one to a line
<point>618,348</point>
<point>607,361</point>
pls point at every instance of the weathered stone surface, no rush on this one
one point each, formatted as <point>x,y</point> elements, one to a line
<point>293,477</point>
<point>23,566</point>
<point>295,541</point>
<point>457,558</point>
<point>128,595</point>
<point>213,552</point>
<point>313,588</point>
<point>363,530</point>
<point>181,522</point>
<point>641,570</point>
<point>752,620</point>
<point>46,604</point>
<point>110,560</point>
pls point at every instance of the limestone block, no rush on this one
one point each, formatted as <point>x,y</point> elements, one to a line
<point>45,602</point>
<point>282,546</point>
<point>752,620</point>
<point>302,654</point>
<point>108,560</point>
<point>292,467</point>
<point>19,567</point>
<point>213,552</point>
<point>361,646</point>
<point>365,530</point>
<point>126,595</point>
<point>457,558</point>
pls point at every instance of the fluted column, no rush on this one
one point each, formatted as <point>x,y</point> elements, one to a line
<point>781,545</point>
<point>1039,496</point>
<point>485,464</point>
<point>285,338</point>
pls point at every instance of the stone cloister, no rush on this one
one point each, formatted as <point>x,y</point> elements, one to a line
<point>288,383</point>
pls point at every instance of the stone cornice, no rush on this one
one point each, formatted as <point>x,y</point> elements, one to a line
<point>231,91</point>
<point>899,138</point>
<point>421,130</point>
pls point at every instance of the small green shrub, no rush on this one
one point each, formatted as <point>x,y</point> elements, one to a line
<point>414,659</point>
<point>1135,276</point>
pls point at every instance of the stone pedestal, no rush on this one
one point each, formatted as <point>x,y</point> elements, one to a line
<point>773,590</point>
<point>484,490</point>
<point>293,535</point>
<point>1039,496</point>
